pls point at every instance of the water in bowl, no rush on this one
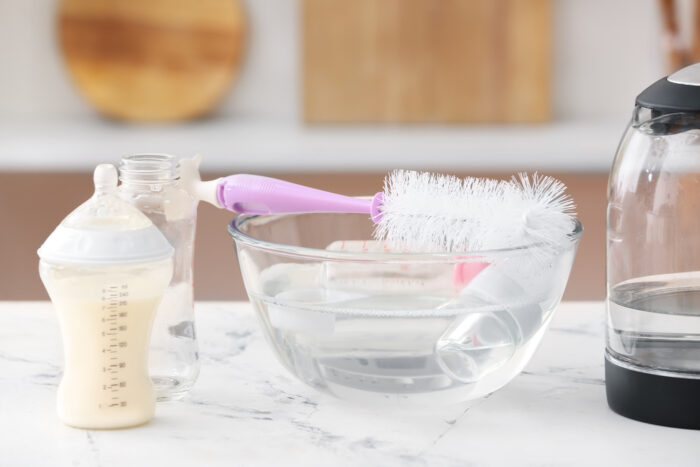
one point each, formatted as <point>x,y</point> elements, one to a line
<point>401,346</point>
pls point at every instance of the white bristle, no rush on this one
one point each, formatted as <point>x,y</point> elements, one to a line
<point>441,213</point>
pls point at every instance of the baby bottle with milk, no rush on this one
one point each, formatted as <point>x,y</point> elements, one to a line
<point>106,268</point>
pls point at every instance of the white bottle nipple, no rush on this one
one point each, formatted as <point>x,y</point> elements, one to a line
<point>105,179</point>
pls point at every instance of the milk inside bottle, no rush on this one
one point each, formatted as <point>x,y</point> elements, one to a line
<point>106,268</point>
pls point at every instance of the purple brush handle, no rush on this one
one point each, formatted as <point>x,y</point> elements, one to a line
<point>254,194</point>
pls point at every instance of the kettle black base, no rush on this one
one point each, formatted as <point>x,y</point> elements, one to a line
<point>656,399</point>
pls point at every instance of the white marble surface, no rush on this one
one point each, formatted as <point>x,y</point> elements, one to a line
<point>247,410</point>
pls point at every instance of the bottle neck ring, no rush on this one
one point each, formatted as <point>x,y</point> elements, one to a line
<point>149,169</point>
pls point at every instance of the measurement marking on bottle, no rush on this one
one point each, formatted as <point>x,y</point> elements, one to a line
<point>114,319</point>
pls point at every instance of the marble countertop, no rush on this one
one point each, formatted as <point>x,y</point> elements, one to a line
<point>247,410</point>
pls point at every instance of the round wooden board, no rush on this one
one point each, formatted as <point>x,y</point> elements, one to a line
<point>152,60</point>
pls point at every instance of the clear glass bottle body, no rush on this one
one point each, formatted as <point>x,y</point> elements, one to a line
<point>653,246</point>
<point>150,183</point>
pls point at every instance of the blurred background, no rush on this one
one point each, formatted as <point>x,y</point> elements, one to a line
<point>329,93</point>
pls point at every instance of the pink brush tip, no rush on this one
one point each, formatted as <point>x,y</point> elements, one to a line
<point>463,273</point>
<point>375,207</point>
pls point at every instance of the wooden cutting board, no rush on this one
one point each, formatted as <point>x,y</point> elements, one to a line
<point>443,61</point>
<point>152,60</point>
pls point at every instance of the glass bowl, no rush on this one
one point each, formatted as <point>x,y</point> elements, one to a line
<point>356,320</point>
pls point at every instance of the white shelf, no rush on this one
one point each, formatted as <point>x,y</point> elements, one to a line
<point>257,146</point>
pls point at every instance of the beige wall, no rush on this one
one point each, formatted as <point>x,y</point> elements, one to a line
<point>604,53</point>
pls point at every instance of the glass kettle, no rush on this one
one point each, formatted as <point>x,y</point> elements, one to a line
<point>652,359</point>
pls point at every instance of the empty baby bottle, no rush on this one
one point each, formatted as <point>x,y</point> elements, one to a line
<point>106,268</point>
<point>150,182</point>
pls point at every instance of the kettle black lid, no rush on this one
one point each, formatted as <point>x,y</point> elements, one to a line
<point>678,92</point>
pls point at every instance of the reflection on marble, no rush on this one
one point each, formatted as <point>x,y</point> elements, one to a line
<point>247,410</point>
